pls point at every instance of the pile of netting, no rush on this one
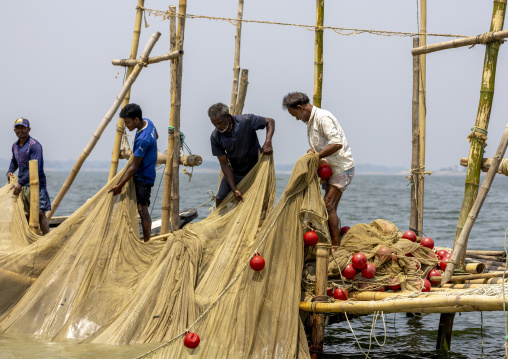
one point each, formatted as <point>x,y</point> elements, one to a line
<point>91,279</point>
<point>398,261</point>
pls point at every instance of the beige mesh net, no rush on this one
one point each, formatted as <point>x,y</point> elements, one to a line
<point>92,278</point>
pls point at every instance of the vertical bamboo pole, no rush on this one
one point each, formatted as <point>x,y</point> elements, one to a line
<point>479,134</point>
<point>168,178</point>
<point>422,114</point>
<point>95,138</point>
<point>444,332</point>
<point>120,127</point>
<point>318,53</point>
<point>33,170</point>
<point>460,245</point>
<point>242,92</point>
<point>415,178</point>
<point>236,65</point>
<point>175,193</point>
<point>318,326</point>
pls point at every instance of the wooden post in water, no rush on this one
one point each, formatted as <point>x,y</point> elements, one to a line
<point>414,176</point>
<point>120,127</point>
<point>236,65</point>
<point>95,138</point>
<point>33,170</point>
<point>318,53</point>
<point>479,134</point>
<point>422,117</point>
<point>318,320</point>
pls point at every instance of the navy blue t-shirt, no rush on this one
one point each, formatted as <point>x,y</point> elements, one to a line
<point>145,146</point>
<point>241,145</point>
<point>31,150</point>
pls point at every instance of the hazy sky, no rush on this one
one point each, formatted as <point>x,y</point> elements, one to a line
<point>56,70</point>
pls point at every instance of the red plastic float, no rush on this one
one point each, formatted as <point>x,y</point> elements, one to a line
<point>369,271</point>
<point>311,238</point>
<point>324,171</point>
<point>434,273</point>
<point>359,260</point>
<point>426,285</point>
<point>191,340</point>
<point>344,230</point>
<point>349,271</point>
<point>427,242</point>
<point>257,262</point>
<point>341,294</point>
<point>410,235</point>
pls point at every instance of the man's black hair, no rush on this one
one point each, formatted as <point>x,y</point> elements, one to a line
<point>218,109</point>
<point>294,99</point>
<point>131,110</point>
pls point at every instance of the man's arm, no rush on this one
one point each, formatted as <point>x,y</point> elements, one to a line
<point>270,129</point>
<point>12,167</point>
<point>330,149</point>
<point>127,176</point>
<point>228,174</point>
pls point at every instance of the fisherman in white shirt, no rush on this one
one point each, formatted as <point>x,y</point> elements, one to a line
<point>327,138</point>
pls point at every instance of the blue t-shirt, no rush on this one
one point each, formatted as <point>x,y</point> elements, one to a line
<point>31,150</point>
<point>241,145</point>
<point>145,146</point>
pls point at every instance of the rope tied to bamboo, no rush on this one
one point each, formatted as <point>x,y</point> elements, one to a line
<point>479,133</point>
<point>142,63</point>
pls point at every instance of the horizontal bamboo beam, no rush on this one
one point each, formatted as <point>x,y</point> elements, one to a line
<point>495,269</point>
<point>456,278</point>
<point>473,40</point>
<point>462,286</point>
<point>485,253</point>
<point>483,257</point>
<point>497,280</point>
<point>186,160</point>
<point>475,268</point>
<point>416,305</point>
<point>151,60</point>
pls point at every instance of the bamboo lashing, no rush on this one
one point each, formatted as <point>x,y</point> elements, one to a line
<point>185,160</point>
<point>95,138</point>
<point>236,64</point>
<point>478,137</point>
<point>473,40</point>
<point>459,248</point>
<point>318,53</point>
<point>33,172</point>
<point>120,127</point>
<point>151,60</point>
<point>503,166</point>
<point>168,174</point>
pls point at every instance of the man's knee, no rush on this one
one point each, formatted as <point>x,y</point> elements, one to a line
<point>143,212</point>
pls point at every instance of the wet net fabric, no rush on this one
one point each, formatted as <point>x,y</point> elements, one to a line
<point>93,280</point>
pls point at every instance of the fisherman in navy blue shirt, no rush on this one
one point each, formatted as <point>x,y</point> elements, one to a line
<point>235,143</point>
<point>24,150</point>
<point>143,165</point>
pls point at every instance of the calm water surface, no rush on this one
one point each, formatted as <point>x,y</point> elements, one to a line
<point>369,197</point>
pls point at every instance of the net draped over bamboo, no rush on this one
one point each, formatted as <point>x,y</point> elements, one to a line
<point>92,279</point>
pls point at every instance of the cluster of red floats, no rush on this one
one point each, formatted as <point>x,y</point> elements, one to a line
<point>359,264</point>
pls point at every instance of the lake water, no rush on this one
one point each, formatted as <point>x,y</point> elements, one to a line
<point>369,197</point>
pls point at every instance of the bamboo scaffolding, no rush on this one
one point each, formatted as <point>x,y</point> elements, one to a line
<point>473,40</point>
<point>242,92</point>
<point>33,172</point>
<point>478,136</point>
<point>95,138</point>
<point>168,174</point>
<point>318,53</point>
<point>185,160</point>
<point>151,60</point>
<point>452,303</point>
<point>459,247</point>
<point>236,65</point>
<point>120,127</point>
<point>318,326</point>
<point>413,219</point>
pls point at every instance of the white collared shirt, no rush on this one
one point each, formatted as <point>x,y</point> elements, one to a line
<point>324,129</point>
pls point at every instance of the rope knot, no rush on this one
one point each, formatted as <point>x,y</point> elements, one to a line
<point>142,63</point>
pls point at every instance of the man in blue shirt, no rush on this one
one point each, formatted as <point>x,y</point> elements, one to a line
<point>25,149</point>
<point>143,164</point>
<point>235,143</point>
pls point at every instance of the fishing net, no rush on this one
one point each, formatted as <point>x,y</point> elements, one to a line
<point>92,279</point>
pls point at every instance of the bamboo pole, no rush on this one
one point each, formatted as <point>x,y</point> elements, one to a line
<point>475,268</point>
<point>461,286</point>
<point>486,253</point>
<point>120,127</point>
<point>494,268</point>
<point>486,165</point>
<point>459,248</point>
<point>456,278</point>
<point>151,60</point>
<point>318,326</point>
<point>95,138</point>
<point>480,256</point>
<point>422,115</point>
<point>473,40</point>
<point>495,280</point>
<point>318,53</point>
<point>415,305</point>
<point>444,332</point>
<point>242,92</point>
<point>478,136</point>
<point>236,65</point>
<point>168,174</point>
<point>33,171</point>
<point>175,193</point>
<point>494,263</point>
<point>413,219</point>
<point>185,160</point>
